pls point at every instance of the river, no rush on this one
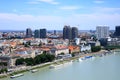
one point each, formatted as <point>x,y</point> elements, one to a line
<point>98,68</point>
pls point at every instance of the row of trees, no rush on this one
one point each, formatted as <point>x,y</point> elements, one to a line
<point>112,47</point>
<point>42,58</point>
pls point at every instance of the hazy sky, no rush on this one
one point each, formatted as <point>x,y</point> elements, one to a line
<point>54,14</point>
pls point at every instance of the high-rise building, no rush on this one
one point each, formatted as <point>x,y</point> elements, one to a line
<point>117,31</point>
<point>54,32</point>
<point>74,32</point>
<point>67,32</point>
<point>37,34</point>
<point>28,33</point>
<point>102,32</point>
<point>43,33</point>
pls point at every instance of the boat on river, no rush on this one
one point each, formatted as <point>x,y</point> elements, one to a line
<point>33,71</point>
<point>84,58</point>
<point>17,75</point>
<point>55,66</point>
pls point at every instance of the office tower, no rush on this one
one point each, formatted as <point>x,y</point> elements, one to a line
<point>37,34</point>
<point>67,32</point>
<point>102,32</point>
<point>117,31</point>
<point>28,33</point>
<point>43,33</point>
<point>74,32</point>
<point>54,32</point>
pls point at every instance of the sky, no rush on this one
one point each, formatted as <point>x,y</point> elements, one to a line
<point>54,14</point>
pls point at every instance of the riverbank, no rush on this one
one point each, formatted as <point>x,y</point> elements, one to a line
<point>27,68</point>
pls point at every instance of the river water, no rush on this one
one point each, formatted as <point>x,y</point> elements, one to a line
<point>99,68</point>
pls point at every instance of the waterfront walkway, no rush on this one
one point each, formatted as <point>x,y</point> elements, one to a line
<point>26,68</point>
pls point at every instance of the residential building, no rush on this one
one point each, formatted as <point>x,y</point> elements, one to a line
<point>55,32</point>
<point>67,32</point>
<point>59,49</point>
<point>86,47</point>
<point>37,34</point>
<point>94,43</point>
<point>117,31</point>
<point>74,32</point>
<point>43,33</point>
<point>28,33</point>
<point>74,49</point>
<point>113,41</point>
<point>102,32</point>
<point>77,41</point>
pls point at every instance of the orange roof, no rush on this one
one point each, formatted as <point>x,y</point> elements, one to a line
<point>45,49</point>
<point>21,49</point>
<point>10,43</point>
<point>72,47</point>
<point>28,39</point>
<point>61,47</point>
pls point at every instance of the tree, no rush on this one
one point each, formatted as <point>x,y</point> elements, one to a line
<point>29,61</point>
<point>42,58</point>
<point>50,57</point>
<point>37,59</point>
<point>3,63</point>
<point>73,54</point>
<point>3,70</point>
<point>95,48</point>
<point>62,53</point>
<point>19,61</point>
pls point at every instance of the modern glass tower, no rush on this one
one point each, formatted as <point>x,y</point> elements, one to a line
<point>28,33</point>
<point>37,34</point>
<point>117,31</point>
<point>74,32</point>
<point>67,32</point>
<point>43,33</point>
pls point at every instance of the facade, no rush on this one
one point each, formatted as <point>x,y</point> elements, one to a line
<point>70,33</point>
<point>85,48</point>
<point>55,32</point>
<point>67,32</point>
<point>94,43</point>
<point>113,42</point>
<point>77,41</point>
<point>117,31</point>
<point>74,49</point>
<point>43,33</point>
<point>37,34</point>
<point>102,32</point>
<point>28,33</point>
<point>59,49</point>
<point>74,32</point>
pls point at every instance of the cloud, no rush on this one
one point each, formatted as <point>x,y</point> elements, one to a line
<point>98,1</point>
<point>69,7</point>
<point>85,21</point>
<point>49,1</point>
<point>106,10</point>
<point>45,1</point>
<point>33,2</point>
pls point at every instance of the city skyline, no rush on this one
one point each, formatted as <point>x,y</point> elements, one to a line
<point>54,14</point>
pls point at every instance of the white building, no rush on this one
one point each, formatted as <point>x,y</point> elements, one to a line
<point>85,48</point>
<point>59,49</point>
<point>77,41</point>
<point>102,32</point>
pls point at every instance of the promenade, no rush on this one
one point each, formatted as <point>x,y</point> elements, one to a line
<point>21,69</point>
